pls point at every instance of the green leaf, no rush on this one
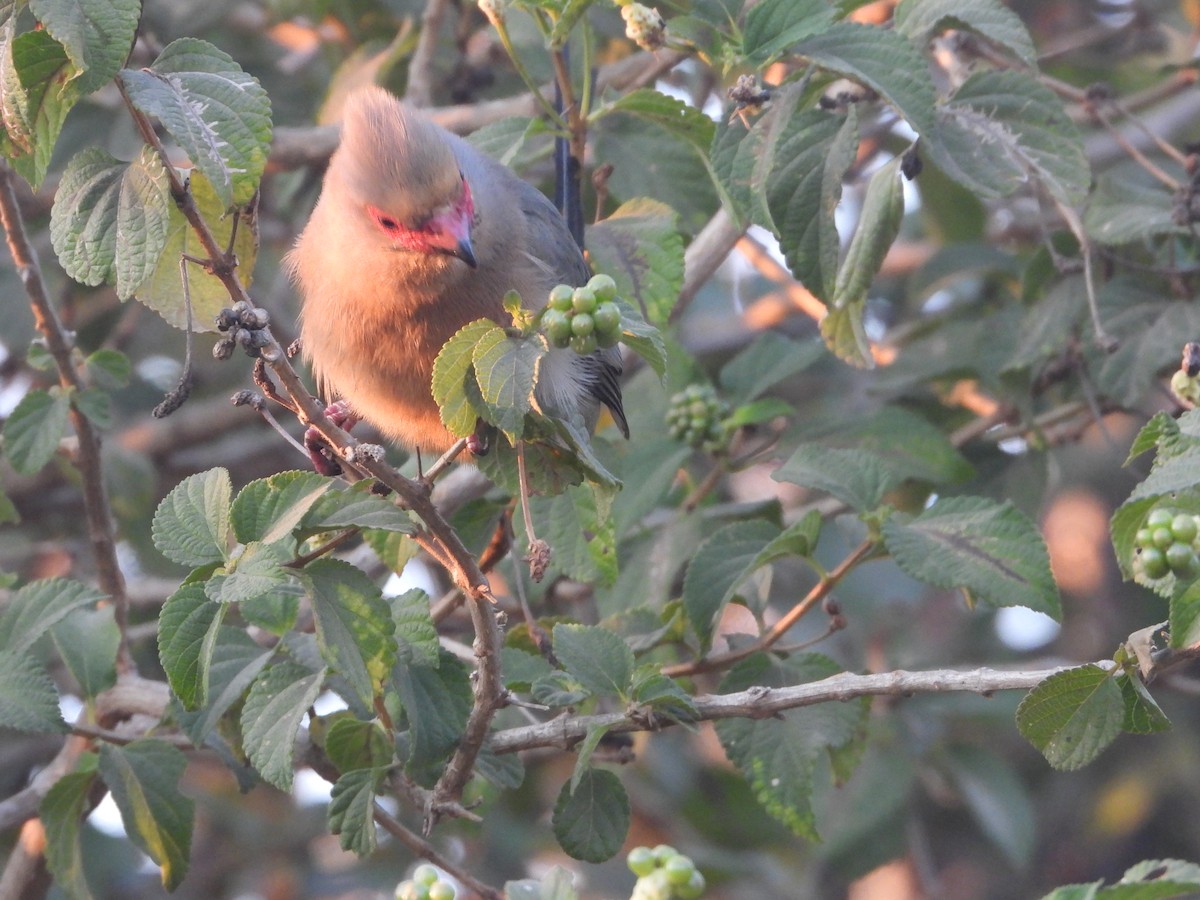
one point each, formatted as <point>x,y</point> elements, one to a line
<point>557,689</point>
<point>163,292</point>
<point>881,60</point>
<point>352,810</point>
<point>996,798</point>
<point>643,339</point>
<point>583,754</point>
<point>720,565</point>
<point>878,225</point>
<point>186,625</point>
<point>918,20</point>
<point>354,625</point>
<point>96,34</point>
<point>62,812</point>
<point>778,756</point>
<point>28,700</point>
<point>991,550</point>
<point>451,370</point>
<point>358,507</point>
<point>591,822</point>
<point>416,636</point>
<point>856,477</point>
<point>96,405</point>
<point>87,642</point>
<point>39,606</point>
<point>1171,475</point>
<point>143,217</point>
<point>191,525</point>
<point>1123,211</point>
<point>640,246</point>
<point>108,368</point>
<point>8,510</point>
<point>774,25</point>
<point>270,509</point>
<point>218,114</point>
<point>664,696</point>
<point>257,571</point>
<point>1003,127</point>
<point>353,744</point>
<point>677,117</point>
<point>34,429</point>
<point>1143,715</point>
<point>583,539</point>
<point>277,702</point>
<point>35,98</point>
<point>798,539</point>
<point>600,661</point>
<point>521,669</point>
<point>768,360</point>
<point>233,663</point>
<point>506,369</point>
<point>505,141</point>
<point>437,703</point>
<point>1072,715</point>
<point>144,780</point>
<point>1184,618</point>
<point>810,154</point>
<point>908,445</point>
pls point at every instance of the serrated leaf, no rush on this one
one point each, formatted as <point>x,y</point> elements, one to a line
<point>600,661</point>
<point>34,429</point>
<point>416,636</point>
<point>35,97</point>
<point>920,19</point>
<point>1184,618</point>
<point>506,370</point>
<point>352,810</point>
<point>557,689</point>
<point>991,550</point>
<point>218,114</point>
<point>1171,475</point>
<point>591,821</point>
<point>393,549</point>
<point>257,571</point>
<point>881,60</point>
<point>643,339</point>
<point>878,225</point>
<point>521,669</point>
<point>96,34</point>
<point>1002,128</point>
<point>143,777</point>
<point>87,642</point>
<point>351,744</point>
<point>768,360</point>
<point>84,216</point>
<point>1123,210</point>
<point>774,25</point>
<point>96,405</point>
<point>108,368</point>
<point>640,246</point>
<point>846,336</point>
<point>452,368</point>
<point>354,625</point>
<point>356,507</point>
<point>191,524</point>
<point>504,771</point>
<point>8,510</point>
<point>908,445</point>
<point>856,477</point>
<point>798,539</point>
<point>269,509</point>
<point>583,753</point>
<point>163,290</point>
<point>1143,715</point>
<point>719,566</point>
<point>505,140</point>
<point>437,702</point>
<point>185,623</point>
<point>811,153</point>
<point>664,696</point>
<point>1072,715</point>
<point>277,702</point>
<point>584,541</point>
<point>62,812</point>
<point>28,700</point>
<point>778,756</point>
<point>39,606</point>
<point>143,218</point>
<point>233,663</point>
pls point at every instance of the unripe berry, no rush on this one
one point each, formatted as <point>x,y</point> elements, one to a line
<point>583,344</point>
<point>1181,559</point>
<point>603,287</point>
<point>560,297</point>
<point>582,324</point>
<point>1162,538</point>
<point>583,300</point>
<point>641,861</point>
<point>1159,518</point>
<point>425,874</point>
<point>1154,562</point>
<point>1184,528</point>
<point>441,890</point>
<point>693,889</point>
<point>679,869</point>
<point>557,327</point>
<point>607,317</point>
<point>1143,538</point>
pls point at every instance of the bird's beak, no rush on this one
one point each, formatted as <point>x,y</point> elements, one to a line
<point>464,251</point>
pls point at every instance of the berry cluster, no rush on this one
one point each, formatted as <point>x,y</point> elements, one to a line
<point>1168,543</point>
<point>696,417</point>
<point>583,318</point>
<point>664,874</point>
<point>644,25</point>
<point>425,884</point>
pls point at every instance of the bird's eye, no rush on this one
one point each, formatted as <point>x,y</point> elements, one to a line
<point>384,221</point>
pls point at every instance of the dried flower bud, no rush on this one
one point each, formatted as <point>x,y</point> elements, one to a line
<point>644,26</point>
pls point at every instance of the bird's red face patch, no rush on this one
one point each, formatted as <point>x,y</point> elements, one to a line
<point>447,231</point>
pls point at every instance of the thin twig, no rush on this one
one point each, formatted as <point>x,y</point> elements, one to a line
<point>426,850</point>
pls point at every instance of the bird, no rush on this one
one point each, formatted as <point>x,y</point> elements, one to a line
<point>415,234</point>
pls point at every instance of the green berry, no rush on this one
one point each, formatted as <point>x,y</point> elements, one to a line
<point>608,339</point>
<point>410,890</point>
<point>1184,528</point>
<point>608,317</point>
<point>582,324</point>
<point>603,287</point>
<point>1181,558</point>
<point>1159,518</point>
<point>557,326</point>
<point>641,861</point>
<point>583,300</point>
<point>1144,537</point>
<point>583,344</point>
<point>425,874</point>
<point>663,852</point>
<point>1162,538</point>
<point>693,889</point>
<point>441,890</point>
<point>1154,563</point>
<point>560,297</point>
<point>679,869</point>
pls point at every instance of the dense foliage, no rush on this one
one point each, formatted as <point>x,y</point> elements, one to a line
<point>778,627</point>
